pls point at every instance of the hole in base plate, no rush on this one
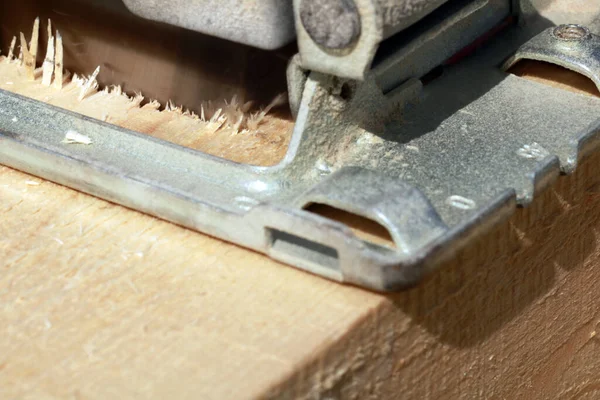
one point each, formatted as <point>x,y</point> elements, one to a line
<point>554,75</point>
<point>295,248</point>
<point>365,229</point>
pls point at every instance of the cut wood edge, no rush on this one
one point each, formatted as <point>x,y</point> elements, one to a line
<point>226,129</point>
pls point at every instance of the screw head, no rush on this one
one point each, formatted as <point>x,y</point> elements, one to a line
<point>571,32</point>
<point>332,24</point>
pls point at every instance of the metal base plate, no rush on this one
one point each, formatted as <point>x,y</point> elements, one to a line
<point>479,142</point>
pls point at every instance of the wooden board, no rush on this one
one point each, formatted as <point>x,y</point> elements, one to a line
<point>99,301</point>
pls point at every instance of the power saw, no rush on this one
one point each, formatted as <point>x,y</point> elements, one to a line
<point>411,131</point>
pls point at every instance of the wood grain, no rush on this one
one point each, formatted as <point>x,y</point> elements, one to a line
<point>556,76</point>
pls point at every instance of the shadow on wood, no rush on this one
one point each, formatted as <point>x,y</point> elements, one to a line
<point>482,289</point>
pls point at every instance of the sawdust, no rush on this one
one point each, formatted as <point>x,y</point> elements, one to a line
<point>73,137</point>
<point>226,129</point>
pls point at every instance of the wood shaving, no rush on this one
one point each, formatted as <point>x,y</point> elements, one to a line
<point>73,137</point>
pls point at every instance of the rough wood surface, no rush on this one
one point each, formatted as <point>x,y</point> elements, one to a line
<point>263,143</point>
<point>98,301</point>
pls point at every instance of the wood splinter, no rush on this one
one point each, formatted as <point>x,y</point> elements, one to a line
<point>89,84</point>
<point>35,37</point>
<point>11,51</point>
<point>28,60</point>
<point>48,67</point>
<point>58,62</point>
<point>53,62</point>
